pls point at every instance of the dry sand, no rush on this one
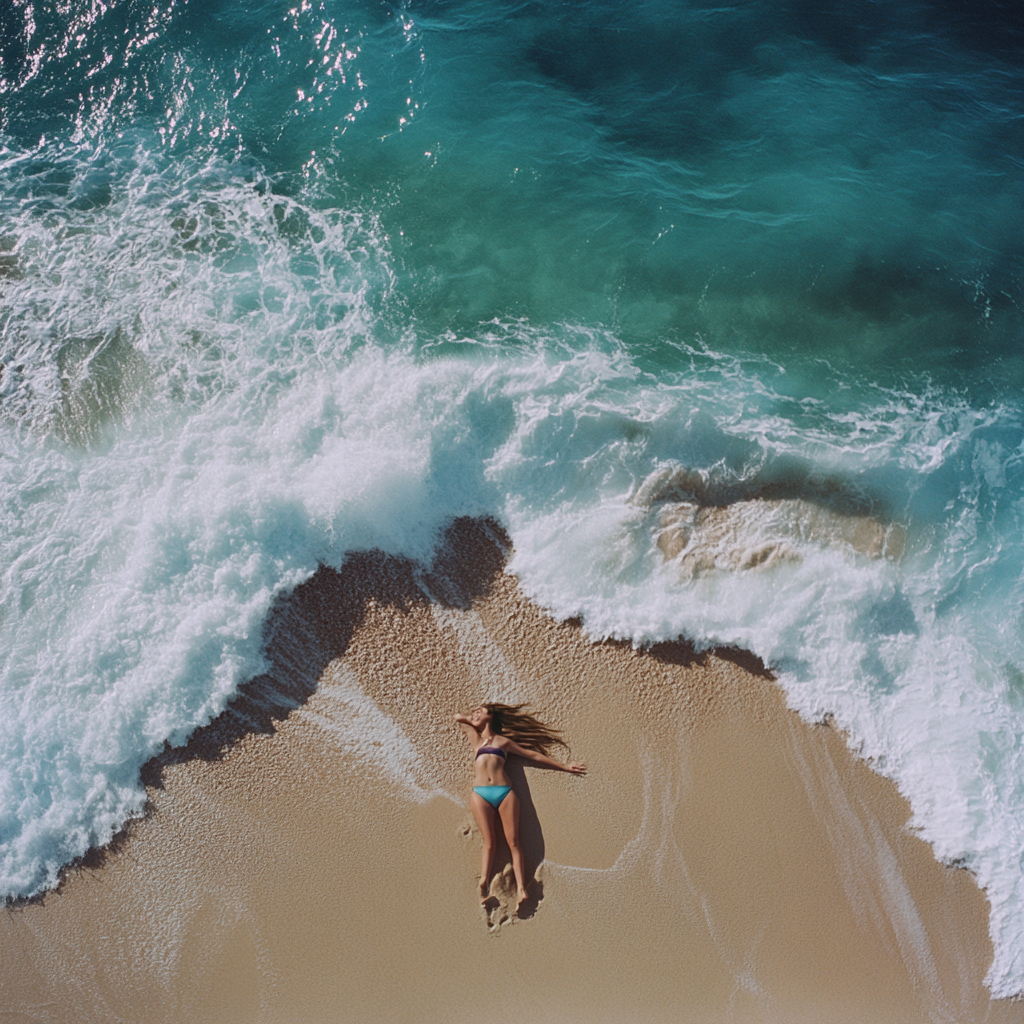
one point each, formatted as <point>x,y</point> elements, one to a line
<point>310,857</point>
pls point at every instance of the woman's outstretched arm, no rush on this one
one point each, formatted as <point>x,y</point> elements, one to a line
<point>538,758</point>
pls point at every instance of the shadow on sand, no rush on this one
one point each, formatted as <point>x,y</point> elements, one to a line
<point>304,631</point>
<point>531,838</point>
<point>312,625</point>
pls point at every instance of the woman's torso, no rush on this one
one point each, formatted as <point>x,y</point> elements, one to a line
<point>489,768</point>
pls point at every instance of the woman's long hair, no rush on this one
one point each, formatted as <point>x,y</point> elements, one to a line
<point>512,721</point>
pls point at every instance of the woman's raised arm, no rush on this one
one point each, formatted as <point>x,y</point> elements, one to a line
<point>463,720</point>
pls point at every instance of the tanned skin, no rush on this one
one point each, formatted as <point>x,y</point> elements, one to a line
<point>489,770</point>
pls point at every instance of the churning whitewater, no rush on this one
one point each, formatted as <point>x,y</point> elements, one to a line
<point>313,285</point>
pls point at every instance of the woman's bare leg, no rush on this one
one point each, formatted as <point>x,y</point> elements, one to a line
<point>508,810</point>
<point>487,821</point>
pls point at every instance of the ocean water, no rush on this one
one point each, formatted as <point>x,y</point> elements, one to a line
<point>718,309</point>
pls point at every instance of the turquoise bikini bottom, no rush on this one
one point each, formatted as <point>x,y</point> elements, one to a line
<point>493,794</point>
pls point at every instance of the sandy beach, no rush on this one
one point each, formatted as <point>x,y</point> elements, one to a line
<point>310,856</point>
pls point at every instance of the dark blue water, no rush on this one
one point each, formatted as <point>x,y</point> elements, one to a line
<point>278,282</point>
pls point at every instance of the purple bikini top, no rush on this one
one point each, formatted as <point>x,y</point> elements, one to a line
<point>490,750</point>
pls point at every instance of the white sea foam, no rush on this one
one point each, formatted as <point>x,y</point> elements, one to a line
<point>147,528</point>
<point>351,720</point>
<point>919,659</point>
<point>204,396</point>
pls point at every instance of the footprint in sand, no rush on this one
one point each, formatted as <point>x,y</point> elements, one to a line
<point>500,907</point>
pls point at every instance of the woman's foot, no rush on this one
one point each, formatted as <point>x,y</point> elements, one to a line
<point>521,897</point>
<point>485,893</point>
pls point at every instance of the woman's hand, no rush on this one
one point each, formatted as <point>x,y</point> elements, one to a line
<point>576,769</point>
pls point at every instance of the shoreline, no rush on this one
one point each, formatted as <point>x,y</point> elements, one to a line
<point>722,860</point>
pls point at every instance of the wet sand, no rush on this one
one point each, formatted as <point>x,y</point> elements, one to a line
<point>310,856</point>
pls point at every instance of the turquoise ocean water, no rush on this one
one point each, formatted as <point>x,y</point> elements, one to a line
<point>280,281</point>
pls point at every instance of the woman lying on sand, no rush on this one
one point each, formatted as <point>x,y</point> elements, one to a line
<point>495,731</point>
